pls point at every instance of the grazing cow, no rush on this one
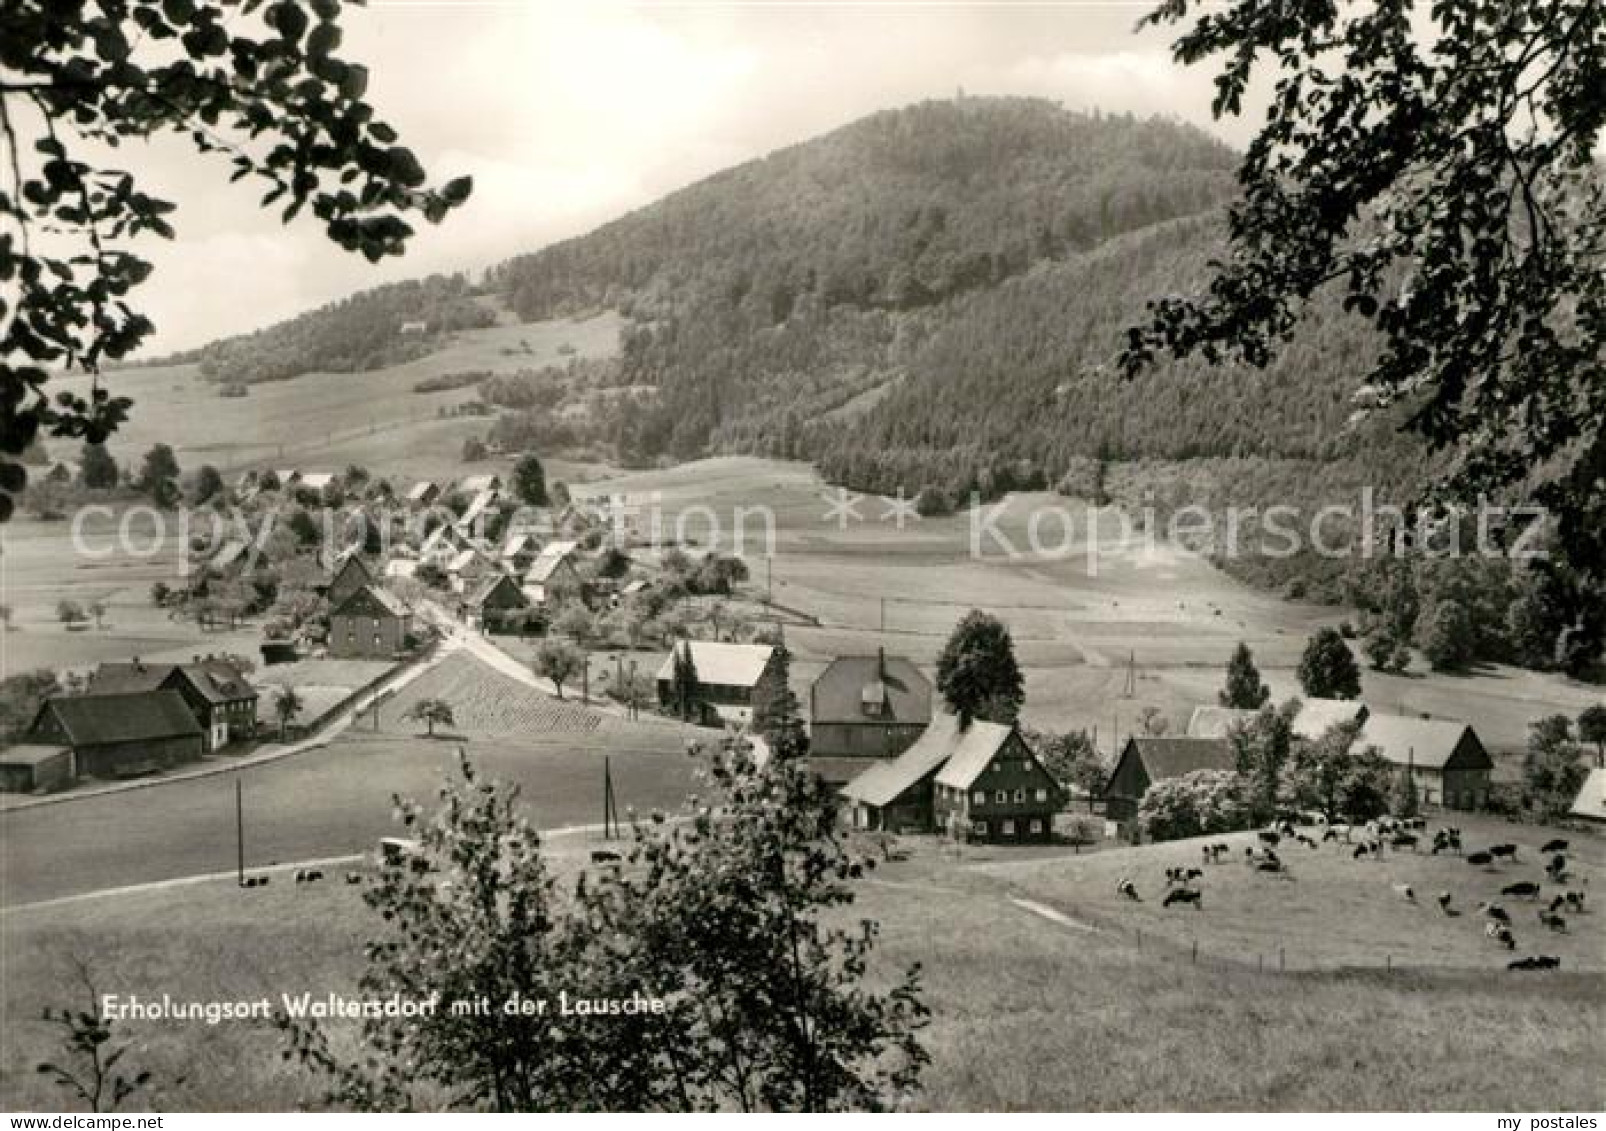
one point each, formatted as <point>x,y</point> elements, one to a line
<point>1535,962</point>
<point>1495,912</point>
<point>603,856</point>
<point>1192,874</point>
<point>1557,845</point>
<point>1501,934</point>
<point>1575,900</point>
<point>1360,851</point>
<point>1273,866</point>
<point>301,875</point>
<point>1182,895</point>
<point>1206,855</point>
<point>1330,834</point>
<point>1476,858</point>
<point>1403,840</point>
<point>1523,889</point>
<point>1557,868</point>
<point>1129,889</point>
<point>354,877</point>
<point>1305,840</point>
<point>1405,892</point>
<point>1503,852</point>
<point>1558,903</point>
<point>1268,837</point>
<point>1444,902</point>
<point>1553,921</point>
<point>1419,824</point>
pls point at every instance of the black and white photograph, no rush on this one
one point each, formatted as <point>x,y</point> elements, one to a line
<point>779,556</point>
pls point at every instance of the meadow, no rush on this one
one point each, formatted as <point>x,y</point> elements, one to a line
<point>1027,1013</point>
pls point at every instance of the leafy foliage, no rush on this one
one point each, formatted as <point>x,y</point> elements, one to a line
<point>1553,767</point>
<point>1442,173</point>
<point>977,673</point>
<point>91,1071</point>
<point>1327,670</point>
<point>1201,803</point>
<point>260,84</point>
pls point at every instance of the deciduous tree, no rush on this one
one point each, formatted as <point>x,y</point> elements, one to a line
<point>977,673</point>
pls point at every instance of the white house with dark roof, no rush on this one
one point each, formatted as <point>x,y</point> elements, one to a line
<point>729,676</point>
<point>1447,759</point>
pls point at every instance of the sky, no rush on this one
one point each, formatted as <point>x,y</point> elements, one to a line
<point>568,115</point>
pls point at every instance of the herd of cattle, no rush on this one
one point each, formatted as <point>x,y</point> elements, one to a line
<point>1372,841</point>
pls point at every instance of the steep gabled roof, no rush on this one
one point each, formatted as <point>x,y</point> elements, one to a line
<point>971,749</point>
<point>549,560</point>
<point>1172,757</point>
<point>419,490</point>
<point>490,585</point>
<point>1428,743</point>
<point>370,597</point>
<point>1314,718</point>
<point>729,665</point>
<point>218,681</point>
<point>92,720</point>
<point>849,684</point>
<point>1591,800</point>
<point>883,782</point>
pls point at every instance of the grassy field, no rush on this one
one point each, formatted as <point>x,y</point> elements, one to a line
<point>1334,911</point>
<point>1079,617</point>
<point>1027,1013</point>
<point>337,800</point>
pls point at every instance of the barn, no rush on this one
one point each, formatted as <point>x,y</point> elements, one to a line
<point>1314,718</point>
<point>36,768</point>
<point>371,623</point>
<point>495,600</point>
<point>222,700</point>
<point>115,736</point>
<point>552,576</point>
<point>1146,760</point>
<point>1447,759</point>
<point>864,709</point>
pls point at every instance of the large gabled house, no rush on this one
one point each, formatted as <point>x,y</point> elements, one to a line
<point>113,736</point>
<point>1145,761</point>
<point>729,677</point>
<point>495,600</point>
<point>1447,759</point>
<point>369,624</point>
<point>864,709</point>
<point>351,573</point>
<point>980,780</point>
<point>221,699</point>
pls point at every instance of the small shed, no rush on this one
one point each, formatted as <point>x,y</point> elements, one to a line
<point>36,768</point>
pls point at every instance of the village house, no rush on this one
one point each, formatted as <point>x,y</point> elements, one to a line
<point>1145,761</point>
<point>221,699</point>
<point>351,573</point>
<point>370,624</point>
<point>1314,718</point>
<point>553,575</point>
<point>113,736</point>
<point>423,493</point>
<point>468,568</point>
<point>864,709</point>
<point>980,780</point>
<point>494,600</point>
<point>1590,804</point>
<point>729,677</point>
<point>36,768</point>
<point>1447,759</point>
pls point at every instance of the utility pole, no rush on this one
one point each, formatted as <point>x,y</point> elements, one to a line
<point>585,678</point>
<point>239,833</point>
<point>635,709</point>
<point>883,616</point>
<point>769,579</point>
<point>610,813</point>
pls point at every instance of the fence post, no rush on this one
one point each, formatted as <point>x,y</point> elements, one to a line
<point>1140,938</point>
<point>1389,962</point>
<point>1196,952</point>
<point>1282,962</point>
<point>1260,963</point>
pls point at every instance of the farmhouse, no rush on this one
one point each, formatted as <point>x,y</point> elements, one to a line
<point>31,768</point>
<point>370,623</point>
<point>217,693</point>
<point>864,709</point>
<point>351,573</point>
<point>1590,805</point>
<point>980,779</point>
<point>1145,761</point>
<point>1447,759</point>
<point>120,735</point>
<point>494,600</point>
<point>467,568</point>
<point>553,575</point>
<point>1314,718</point>
<point>728,676</point>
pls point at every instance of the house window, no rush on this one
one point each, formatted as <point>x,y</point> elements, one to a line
<point>979,797</point>
<point>1001,796</point>
<point>1037,826</point>
<point>1009,828</point>
<point>1042,795</point>
<point>1020,796</point>
<point>978,828</point>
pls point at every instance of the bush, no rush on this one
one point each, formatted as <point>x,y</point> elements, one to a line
<point>1203,803</point>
